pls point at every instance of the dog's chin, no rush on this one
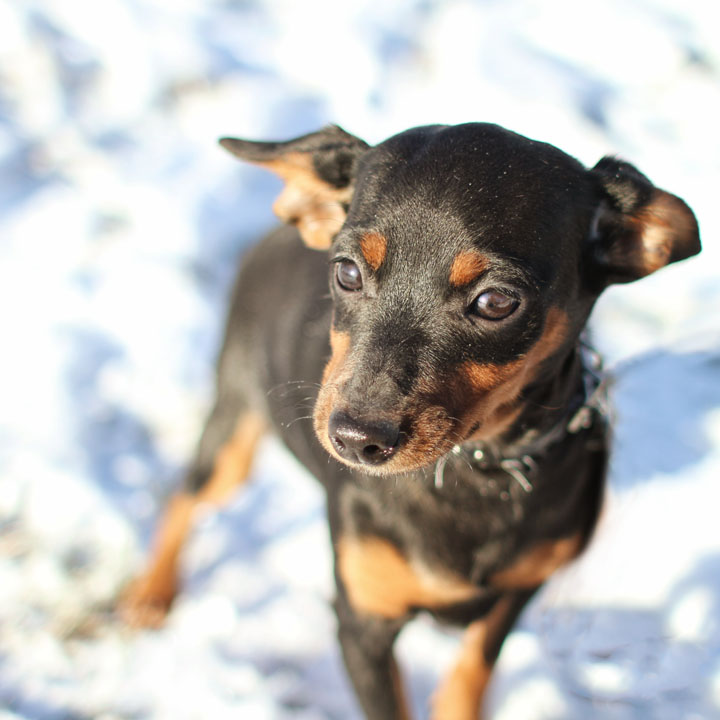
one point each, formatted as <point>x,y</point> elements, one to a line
<point>435,434</point>
<point>395,466</point>
<point>424,452</point>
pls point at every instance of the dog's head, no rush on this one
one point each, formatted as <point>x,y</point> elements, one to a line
<point>464,262</point>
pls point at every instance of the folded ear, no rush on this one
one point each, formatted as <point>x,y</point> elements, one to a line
<point>318,170</point>
<point>638,228</point>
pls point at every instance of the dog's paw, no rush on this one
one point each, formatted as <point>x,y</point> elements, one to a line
<point>145,603</point>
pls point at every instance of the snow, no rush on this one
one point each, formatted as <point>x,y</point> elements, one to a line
<point>121,225</point>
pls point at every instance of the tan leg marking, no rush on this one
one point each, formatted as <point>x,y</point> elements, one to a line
<point>379,580</point>
<point>233,461</point>
<point>146,601</point>
<point>399,690</point>
<point>460,694</point>
<point>536,565</point>
<point>148,598</point>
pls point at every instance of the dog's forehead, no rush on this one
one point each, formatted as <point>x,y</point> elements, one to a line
<point>438,191</point>
<point>473,167</point>
<point>483,146</point>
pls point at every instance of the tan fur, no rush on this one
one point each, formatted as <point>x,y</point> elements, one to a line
<point>147,600</point>
<point>433,436</point>
<point>652,234</point>
<point>494,389</point>
<point>380,580</point>
<point>399,690</point>
<point>654,228</point>
<point>232,464</point>
<point>460,695</point>
<point>374,249</point>
<point>313,206</point>
<point>339,345</point>
<point>484,395</point>
<point>467,267</point>
<point>484,377</point>
<point>536,565</point>
<point>335,370</point>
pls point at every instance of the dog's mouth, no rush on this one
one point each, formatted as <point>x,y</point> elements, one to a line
<point>393,445</point>
<point>385,446</point>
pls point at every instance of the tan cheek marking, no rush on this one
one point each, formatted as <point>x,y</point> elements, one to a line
<point>432,436</point>
<point>482,378</point>
<point>339,345</point>
<point>536,565</point>
<point>488,376</point>
<point>467,266</point>
<point>499,420</point>
<point>553,336</point>
<point>374,248</point>
<point>492,390</point>
<point>460,695</point>
<point>379,580</point>
<point>485,394</point>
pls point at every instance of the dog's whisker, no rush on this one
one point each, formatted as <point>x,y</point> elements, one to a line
<point>297,419</point>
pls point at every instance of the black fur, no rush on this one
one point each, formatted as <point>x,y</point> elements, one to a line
<point>549,230</point>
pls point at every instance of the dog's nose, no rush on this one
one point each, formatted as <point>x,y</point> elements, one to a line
<point>369,443</point>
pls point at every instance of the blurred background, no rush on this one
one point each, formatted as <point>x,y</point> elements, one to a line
<point>121,222</point>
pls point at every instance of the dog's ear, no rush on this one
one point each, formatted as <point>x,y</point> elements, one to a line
<point>318,170</point>
<point>637,228</point>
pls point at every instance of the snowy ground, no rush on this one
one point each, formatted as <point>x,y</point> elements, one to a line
<point>120,226</point>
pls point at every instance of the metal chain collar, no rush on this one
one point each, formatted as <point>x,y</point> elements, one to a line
<point>593,405</point>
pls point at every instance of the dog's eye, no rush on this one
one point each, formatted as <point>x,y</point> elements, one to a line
<point>348,276</point>
<point>494,305</point>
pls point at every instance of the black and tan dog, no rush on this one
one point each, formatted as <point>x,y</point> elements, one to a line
<point>456,429</point>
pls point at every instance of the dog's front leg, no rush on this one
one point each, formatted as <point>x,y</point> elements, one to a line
<point>367,647</point>
<point>460,695</point>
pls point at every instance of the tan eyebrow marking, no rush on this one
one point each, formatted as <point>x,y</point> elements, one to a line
<point>467,266</point>
<point>373,246</point>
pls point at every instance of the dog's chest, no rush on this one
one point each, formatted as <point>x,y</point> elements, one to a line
<point>397,557</point>
<point>455,532</point>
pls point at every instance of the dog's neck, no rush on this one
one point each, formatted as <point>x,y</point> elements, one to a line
<point>552,402</point>
<point>567,402</point>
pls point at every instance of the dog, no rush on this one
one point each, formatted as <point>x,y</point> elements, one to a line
<point>430,295</point>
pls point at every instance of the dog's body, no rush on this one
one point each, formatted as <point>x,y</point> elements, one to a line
<point>455,427</point>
